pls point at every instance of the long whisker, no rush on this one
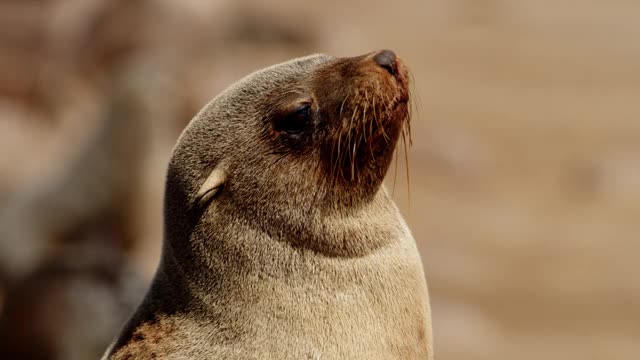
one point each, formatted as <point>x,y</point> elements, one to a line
<point>395,173</point>
<point>335,161</point>
<point>406,164</point>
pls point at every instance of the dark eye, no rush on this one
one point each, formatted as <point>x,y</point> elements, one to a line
<point>294,122</point>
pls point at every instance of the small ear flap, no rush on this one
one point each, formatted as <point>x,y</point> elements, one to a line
<point>211,186</point>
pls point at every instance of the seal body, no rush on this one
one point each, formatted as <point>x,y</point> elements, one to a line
<point>280,240</point>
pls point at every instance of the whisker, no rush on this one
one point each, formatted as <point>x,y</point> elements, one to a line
<point>335,161</point>
<point>406,164</point>
<point>395,172</point>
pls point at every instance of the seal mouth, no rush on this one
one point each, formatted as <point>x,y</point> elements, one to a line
<point>400,102</point>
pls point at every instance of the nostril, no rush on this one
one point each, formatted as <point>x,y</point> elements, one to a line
<point>387,60</point>
<point>390,68</point>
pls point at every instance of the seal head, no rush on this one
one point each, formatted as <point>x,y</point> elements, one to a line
<point>289,146</point>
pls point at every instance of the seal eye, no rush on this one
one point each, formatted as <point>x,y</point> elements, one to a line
<point>294,122</point>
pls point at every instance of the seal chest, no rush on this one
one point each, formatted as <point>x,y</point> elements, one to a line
<point>280,239</point>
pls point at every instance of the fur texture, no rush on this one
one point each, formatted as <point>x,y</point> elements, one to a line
<point>298,252</point>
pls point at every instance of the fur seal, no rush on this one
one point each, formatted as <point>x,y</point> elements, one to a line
<point>280,239</point>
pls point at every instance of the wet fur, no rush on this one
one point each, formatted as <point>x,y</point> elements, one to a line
<point>301,254</point>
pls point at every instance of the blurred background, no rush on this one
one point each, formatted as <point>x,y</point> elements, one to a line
<point>524,171</point>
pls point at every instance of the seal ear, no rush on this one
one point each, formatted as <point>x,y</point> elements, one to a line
<point>211,186</point>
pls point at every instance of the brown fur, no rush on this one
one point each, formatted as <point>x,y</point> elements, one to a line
<point>299,253</point>
<point>148,341</point>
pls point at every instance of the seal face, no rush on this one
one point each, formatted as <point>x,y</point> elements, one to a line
<point>344,121</point>
<point>279,237</point>
<point>298,141</point>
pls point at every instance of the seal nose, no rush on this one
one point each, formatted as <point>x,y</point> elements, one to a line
<point>387,60</point>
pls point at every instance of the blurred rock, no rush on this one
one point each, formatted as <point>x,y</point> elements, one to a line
<point>94,188</point>
<point>70,306</point>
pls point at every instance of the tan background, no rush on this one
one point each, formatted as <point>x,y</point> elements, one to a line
<point>525,165</point>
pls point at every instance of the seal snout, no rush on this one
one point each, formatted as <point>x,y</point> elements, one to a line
<point>387,60</point>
